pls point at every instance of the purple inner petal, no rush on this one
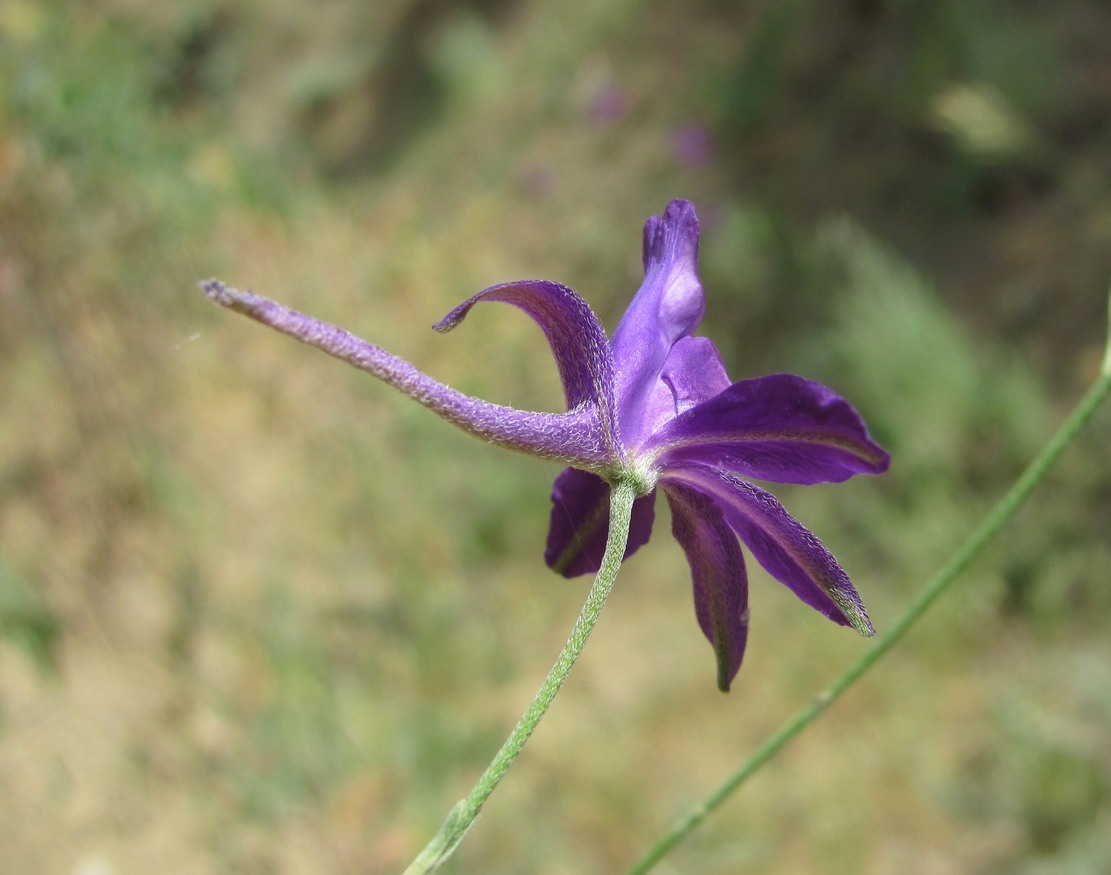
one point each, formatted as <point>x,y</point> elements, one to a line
<point>786,549</point>
<point>668,306</point>
<point>580,523</point>
<point>780,428</point>
<point>694,372</point>
<point>691,373</point>
<point>717,573</point>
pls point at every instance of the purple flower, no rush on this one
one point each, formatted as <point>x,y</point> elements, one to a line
<point>608,105</point>
<point>692,145</point>
<point>653,406</point>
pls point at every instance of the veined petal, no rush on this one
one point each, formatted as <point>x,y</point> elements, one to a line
<point>668,306</point>
<point>691,373</point>
<point>575,437</point>
<point>576,337</point>
<point>694,372</point>
<point>717,572</point>
<point>786,549</point>
<point>780,428</point>
<point>580,523</point>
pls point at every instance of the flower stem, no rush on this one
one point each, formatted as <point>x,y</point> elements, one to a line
<point>465,812</point>
<point>996,518</point>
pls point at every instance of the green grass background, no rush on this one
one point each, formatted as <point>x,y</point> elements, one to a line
<point>258,615</point>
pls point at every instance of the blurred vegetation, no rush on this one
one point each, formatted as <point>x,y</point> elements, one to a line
<point>258,615</point>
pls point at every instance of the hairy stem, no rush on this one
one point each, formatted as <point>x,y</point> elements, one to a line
<point>464,814</point>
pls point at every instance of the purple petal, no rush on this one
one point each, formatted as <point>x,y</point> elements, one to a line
<point>668,306</point>
<point>694,372</point>
<point>574,334</point>
<point>786,549</point>
<point>691,373</point>
<point>718,574</point>
<point>576,437</point>
<point>580,523</point>
<point>780,428</point>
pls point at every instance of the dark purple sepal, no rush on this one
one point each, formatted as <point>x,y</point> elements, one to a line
<point>580,523</point>
<point>717,573</point>
<point>576,337</point>
<point>787,550</point>
<point>781,428</point>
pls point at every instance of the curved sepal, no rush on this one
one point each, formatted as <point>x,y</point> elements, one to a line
<point>575,335</point>
<point>574,438</point>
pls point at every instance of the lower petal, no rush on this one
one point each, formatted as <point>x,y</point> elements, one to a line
<point>718,574</point>
<point>580,523</point>
<point>786,549</point>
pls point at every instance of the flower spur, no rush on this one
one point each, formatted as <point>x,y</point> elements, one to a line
<point>654,408</point>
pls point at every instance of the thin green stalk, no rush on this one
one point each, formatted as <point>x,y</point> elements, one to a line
<point>464,814</point>
<point>996,518</point>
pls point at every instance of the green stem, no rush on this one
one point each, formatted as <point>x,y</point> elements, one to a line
<point>995,520</point>
<point>464,814</point>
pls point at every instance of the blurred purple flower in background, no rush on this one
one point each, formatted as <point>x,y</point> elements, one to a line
<point>608,105</point>
<point>692,145</point>
<point>653,406</point>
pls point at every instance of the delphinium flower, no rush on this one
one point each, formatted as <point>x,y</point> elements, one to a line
<point>653,409</point>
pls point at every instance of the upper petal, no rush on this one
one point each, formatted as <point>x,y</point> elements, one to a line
<point>786,549</point>
<point>576,437</point>
<point>717,572</point>
<point>780,428</point>
<point>668,306</point>
<point>580,523</point>
<point>694,372</point>
<point>576,337</point>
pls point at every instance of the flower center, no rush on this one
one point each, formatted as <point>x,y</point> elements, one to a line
<point>641,473</point>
